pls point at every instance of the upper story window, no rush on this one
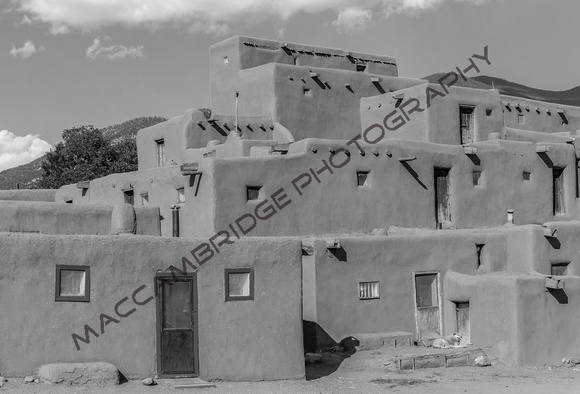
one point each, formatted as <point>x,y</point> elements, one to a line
<point>180,195</point>
<point>160,152</point>
<point>129,196</point>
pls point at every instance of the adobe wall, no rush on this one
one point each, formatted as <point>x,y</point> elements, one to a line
<point>53,218</point>
<point>233,55</point>
<point>392,260</point>
<point>161,186</point>
<point>171,132</point>
<point>337,202</point>
<point>28,195</point>
<point>268,347</point>
<point>547,320</point>
<point>424,116</point>
<point>539,115</point>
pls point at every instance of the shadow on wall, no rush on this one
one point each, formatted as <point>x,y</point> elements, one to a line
<point>324,355</point>
<point>560,295</point>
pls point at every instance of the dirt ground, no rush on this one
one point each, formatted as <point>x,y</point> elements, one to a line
<point>365,372</point>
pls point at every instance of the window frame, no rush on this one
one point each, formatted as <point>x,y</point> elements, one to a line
<point>60,298</point>
<point>228,296</point>
<point>372,297</point>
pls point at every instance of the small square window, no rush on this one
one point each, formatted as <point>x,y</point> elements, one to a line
<point>361,67</point>
<point>239,284</point>
<point>488,112</point>
<point>559,269</point>
<point>226,60</point>
<point>306,91</point>
<point>181,195</point>
<point>368,290</point>
<point>527,175</point>
<point>253,192</point>
<point>362,178</point>
<point>521,119</point>
<point>73,283</point>
<point>477,178</point>
<point>84,191</point>
<point>144,199</point>
<point>129,196</point>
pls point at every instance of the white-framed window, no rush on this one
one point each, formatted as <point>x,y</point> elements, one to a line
<point>368,290</point>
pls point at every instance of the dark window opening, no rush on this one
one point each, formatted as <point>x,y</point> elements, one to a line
<point>239,284</point>
<point>476,178</point>
<point>253,192</point>
<point>478,250</point>
<point>558,191</point>
<point>361,67</point>
<point>73,283</point>
<point>521,119</point>
<point>84,191</point>
<point>69,201</point>
<point>129,196</point>
<point>398,102</point>
<point>306,91</point>
<point>488,112</point>
<point>526,175</point>
<point>559,269</point>
<point>362,178</point>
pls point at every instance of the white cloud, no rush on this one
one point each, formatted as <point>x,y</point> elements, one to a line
<point>112,52</point>
<point>210,16</point>
<point>350,19</point>
<point>27,50</point>
<point>15,150</point>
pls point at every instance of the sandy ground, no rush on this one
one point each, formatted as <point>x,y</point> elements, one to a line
<point>365,372</point>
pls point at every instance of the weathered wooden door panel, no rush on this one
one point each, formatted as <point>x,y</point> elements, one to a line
<point>467,128</point>
<point>442,196</point>
<point>177,327</point>
<point>463,328</point>
<point>427,305</point>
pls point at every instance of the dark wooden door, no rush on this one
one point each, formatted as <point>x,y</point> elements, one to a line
<point>558,191</point>
<point>177,327</point>
<point>428,312</point>
<point>442,203</point>
<point>466,125</point>
<point>463,328</point>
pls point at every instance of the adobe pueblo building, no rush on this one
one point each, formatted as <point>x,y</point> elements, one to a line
<point>323,197</point>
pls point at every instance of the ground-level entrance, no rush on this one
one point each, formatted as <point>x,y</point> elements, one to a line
<point>427,305</point>
<point>176,326</point>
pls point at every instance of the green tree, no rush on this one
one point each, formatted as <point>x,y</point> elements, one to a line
<point>85,154</point>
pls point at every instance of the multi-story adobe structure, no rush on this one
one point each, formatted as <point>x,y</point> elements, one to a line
<point>322,197</point>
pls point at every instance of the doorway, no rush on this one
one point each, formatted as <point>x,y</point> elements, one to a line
<point>466,123</point>
<point>462,314</point>
<point>176,326</point>
<point>427,305</point>
<point>442,200</point>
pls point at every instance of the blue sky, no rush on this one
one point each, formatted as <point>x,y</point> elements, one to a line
<point>66,63</point>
